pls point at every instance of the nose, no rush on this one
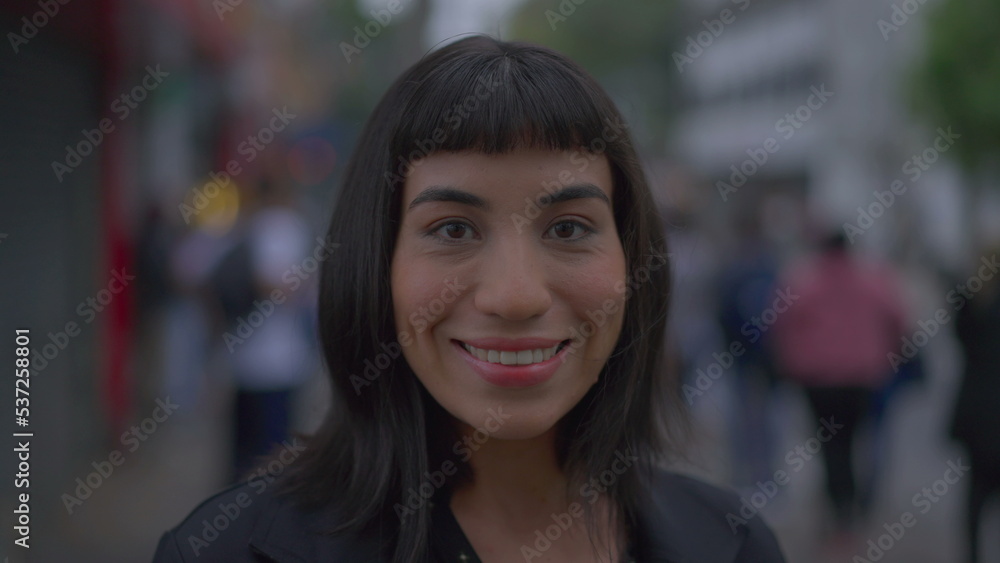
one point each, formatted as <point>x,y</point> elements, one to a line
<point>513,282</point>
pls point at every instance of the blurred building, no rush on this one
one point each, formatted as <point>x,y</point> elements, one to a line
<point>116,116</point>
<point>807,100</point>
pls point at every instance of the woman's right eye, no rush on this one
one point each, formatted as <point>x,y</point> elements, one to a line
<point>454,231</point>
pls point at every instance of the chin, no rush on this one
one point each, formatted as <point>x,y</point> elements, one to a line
<point>528,430</point>
<point>517,420</point>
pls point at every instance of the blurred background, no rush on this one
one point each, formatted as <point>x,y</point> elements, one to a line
<point>827,171</point>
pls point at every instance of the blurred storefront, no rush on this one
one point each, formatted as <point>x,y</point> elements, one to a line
<point>120,120</point>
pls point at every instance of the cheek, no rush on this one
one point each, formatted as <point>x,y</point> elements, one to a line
<point>598,307</point>
<point>422,296</point>
<point>595,293</point>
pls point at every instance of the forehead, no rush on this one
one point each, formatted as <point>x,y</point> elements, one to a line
<point>508,176</point>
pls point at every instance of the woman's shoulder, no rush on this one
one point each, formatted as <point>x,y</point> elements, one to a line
<point>694,492</point>
<point>220,527</point>
<point>253,522</point>
<point>687,519</point>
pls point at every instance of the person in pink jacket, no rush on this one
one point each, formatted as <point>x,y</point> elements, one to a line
<point>845,319</point>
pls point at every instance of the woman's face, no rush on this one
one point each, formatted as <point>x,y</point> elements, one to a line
<point>504,284</point>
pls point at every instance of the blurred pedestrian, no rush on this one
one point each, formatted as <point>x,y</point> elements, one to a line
<point>188,312</point>
<point>834,340</point>
<point>259,285</point>
<point>746,290</point>
<point>975,423</point>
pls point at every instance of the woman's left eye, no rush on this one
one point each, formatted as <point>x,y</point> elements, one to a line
<point>454,231</point>
<point>570,230</point>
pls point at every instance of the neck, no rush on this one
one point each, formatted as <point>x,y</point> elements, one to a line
<point>516,478</point>
<point>516,488</point>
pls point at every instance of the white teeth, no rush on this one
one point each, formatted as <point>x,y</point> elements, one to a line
<point>512,358</point>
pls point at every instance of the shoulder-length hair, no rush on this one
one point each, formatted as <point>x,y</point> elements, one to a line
<point>384,432</point>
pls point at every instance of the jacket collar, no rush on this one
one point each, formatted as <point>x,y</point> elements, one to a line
<point>677,524</point>
<point>286,533</point>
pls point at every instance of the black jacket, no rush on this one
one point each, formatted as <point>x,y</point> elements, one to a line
<point>974,420</point>
<point>683,521</point>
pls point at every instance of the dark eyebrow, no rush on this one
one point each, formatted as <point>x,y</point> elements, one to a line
<point>446,193</point>
<point>578,191</point>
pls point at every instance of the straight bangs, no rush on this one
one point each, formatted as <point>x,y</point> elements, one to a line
<point>495,98</point>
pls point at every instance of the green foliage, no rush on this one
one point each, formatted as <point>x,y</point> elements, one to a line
<point>958,80</point>
<point>627,46</point>
<point>603,34</point>
<point>366,76</point>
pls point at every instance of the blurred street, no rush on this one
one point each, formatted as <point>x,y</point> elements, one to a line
<point>183,464</point>
<point>186,462</point>
<point>827,174</point>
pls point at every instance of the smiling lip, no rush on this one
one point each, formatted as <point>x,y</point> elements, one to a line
<point>512,375</point>
<point>512,344</point>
